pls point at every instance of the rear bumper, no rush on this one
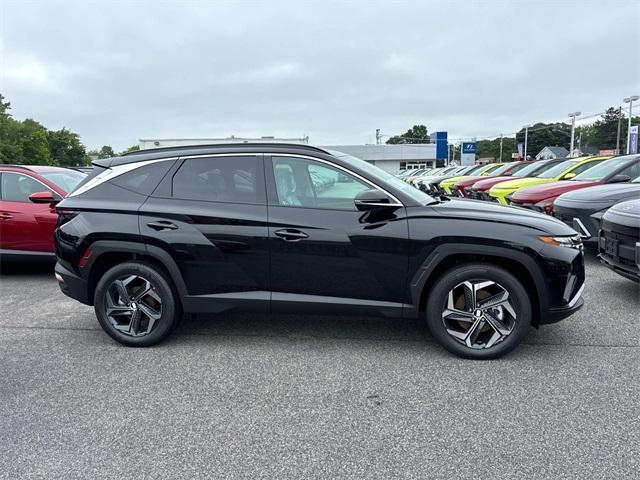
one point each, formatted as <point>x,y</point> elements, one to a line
<point>72,285</point>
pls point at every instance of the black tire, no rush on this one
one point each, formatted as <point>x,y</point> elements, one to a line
<point>437,302</point>
<point>170,312</point>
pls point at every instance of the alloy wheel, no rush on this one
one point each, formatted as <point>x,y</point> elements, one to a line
<point>132,305</point>
<point>479,313</point>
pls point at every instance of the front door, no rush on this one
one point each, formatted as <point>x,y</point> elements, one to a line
<point>325,254</point>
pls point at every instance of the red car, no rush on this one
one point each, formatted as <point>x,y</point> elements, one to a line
<point>28,195</point>
<point>460,188</point>
<point>480,189</point>
<point>614,170</point>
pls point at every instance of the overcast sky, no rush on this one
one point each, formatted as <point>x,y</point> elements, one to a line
<point>118,71</point>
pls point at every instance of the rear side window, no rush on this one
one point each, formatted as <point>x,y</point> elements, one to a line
<point>220,179</point>
<point>144,179</point>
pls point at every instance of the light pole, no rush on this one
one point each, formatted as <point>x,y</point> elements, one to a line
<point>526,137</point>
<point>573,130</point>
<point>630,101</point>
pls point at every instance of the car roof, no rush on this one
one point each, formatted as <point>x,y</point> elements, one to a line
<point>182,151</point>
<point>34,168</point>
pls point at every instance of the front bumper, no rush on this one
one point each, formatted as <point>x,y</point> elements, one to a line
<point>560,313</point>
<point>581,221</point>
<point>623,257</point>
<point>72,285</point>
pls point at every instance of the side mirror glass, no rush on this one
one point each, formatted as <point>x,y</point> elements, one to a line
<point>620,179</point>
<point>44,197</point>
<point>372,199</point>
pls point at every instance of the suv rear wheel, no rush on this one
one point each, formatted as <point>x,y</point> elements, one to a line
<point>136,304</point>
<point>478,311</point>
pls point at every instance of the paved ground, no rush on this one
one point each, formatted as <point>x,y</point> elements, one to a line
<point>314,397</point>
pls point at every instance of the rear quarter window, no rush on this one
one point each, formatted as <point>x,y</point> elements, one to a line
<point>143,180</point>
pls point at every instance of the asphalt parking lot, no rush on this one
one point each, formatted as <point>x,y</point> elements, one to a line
<point>306,397</point>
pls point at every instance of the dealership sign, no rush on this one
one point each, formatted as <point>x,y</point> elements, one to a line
<point>468,153</point>
<point>633,139</point>
<point>469,147</point>
<point>442,147</point>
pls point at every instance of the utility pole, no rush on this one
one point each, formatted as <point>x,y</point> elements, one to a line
<point>377,136</point>
<point>501,138</point>
<point>526,137</point>
<point>630,101</point>
<point>618,136</point>
<point>573,130</point>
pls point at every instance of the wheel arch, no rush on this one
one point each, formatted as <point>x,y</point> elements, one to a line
<point>445,257</point>
<point>107,253</point>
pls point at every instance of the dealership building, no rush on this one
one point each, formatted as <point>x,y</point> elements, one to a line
<point>391,158</point>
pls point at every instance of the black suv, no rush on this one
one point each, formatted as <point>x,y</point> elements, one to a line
<point>294,228</point>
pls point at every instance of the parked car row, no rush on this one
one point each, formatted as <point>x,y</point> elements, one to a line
<point>578,191</point>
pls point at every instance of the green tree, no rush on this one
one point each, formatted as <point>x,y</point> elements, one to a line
<point>416,134</point>
<point>603,134</point>
<point>491,148</point>
<point>545,135</point>
<point>106,152</point>
<point>35,148</point>
<point>132,148</point>
<point>66,148</point>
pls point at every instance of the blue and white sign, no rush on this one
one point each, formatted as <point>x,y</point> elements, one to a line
<point>469,147</point>
<point>633,140</point>
<point>442,147</point>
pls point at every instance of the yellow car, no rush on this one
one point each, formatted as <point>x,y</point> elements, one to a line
<point>481,170</point>
<point>564,170</point>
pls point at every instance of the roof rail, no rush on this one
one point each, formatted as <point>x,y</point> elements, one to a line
<point>223,145</point>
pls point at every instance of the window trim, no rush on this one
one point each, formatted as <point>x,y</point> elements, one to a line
<point>269,157</point>
<point>48,188</point>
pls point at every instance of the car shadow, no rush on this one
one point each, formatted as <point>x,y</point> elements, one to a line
<point>27,268</point>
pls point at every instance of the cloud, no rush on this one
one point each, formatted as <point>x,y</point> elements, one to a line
<point>115,71</point>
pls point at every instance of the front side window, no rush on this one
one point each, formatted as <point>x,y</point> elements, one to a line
<point>558,169</point>
<point>602,169</point>
<point>218,179</point>
<point>306,183</point>
<point>17,187</point>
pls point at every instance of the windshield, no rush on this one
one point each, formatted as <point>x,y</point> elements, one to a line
<point>558,169</point>
<point>534,168</point>
<point>66,180</point>
<point>384,178</point>
<point>508,167</point>
<point>489,168</point>
<point>602,169</point>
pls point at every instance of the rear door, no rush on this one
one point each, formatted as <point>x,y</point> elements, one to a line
<point>209,213</point>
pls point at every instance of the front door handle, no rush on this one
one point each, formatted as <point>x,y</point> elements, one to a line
<point>5,216</point>
<point>291,235</point>
<point>162,225</point>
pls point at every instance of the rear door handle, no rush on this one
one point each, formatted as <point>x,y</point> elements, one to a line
<point>291,235</point>
<point>162,225</point>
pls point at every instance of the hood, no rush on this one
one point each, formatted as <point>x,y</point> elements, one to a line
<point>521,183</point>
<point>433,179</point>
<point>625,213</point>
<point>613,192</point>
<point>491,212</point>
<point>487,183</point>
<point>540,192</point>
<point>469,180</point>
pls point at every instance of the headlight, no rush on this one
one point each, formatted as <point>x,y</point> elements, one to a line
<point>571,241</point>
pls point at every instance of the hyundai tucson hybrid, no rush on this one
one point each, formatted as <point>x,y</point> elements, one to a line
<point>294,228</point>
<point>619,239</point>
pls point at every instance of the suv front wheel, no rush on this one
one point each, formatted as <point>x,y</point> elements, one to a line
<point>135,304</point>
<point>478,311</point>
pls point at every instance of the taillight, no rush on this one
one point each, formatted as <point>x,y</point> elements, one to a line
<point>85,258</point>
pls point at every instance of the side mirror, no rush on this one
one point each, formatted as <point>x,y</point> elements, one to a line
<point>569,176</point>
<point>372,199</point>
<point>44,197</point>
<point>620,179</point>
